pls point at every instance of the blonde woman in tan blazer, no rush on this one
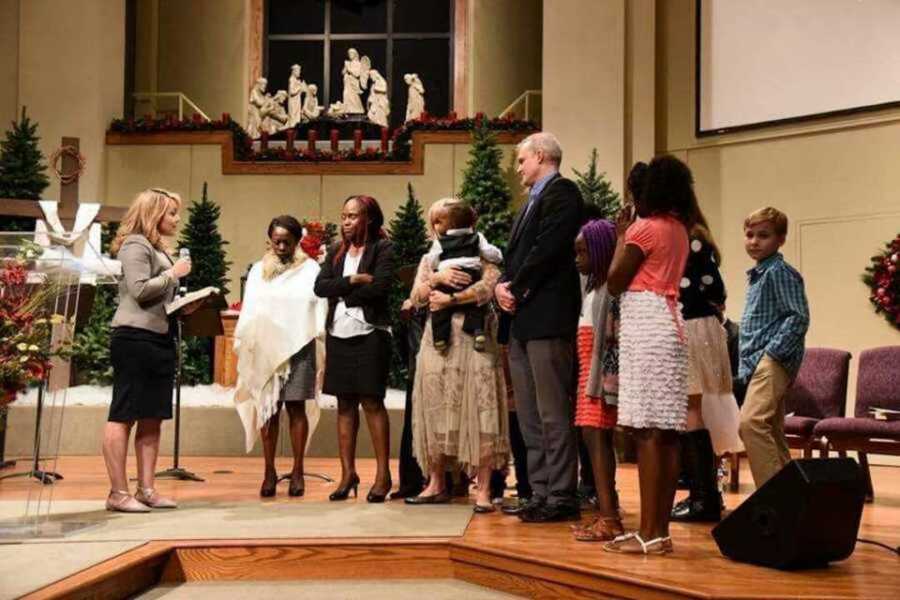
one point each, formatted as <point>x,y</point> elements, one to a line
<point>142,348</point>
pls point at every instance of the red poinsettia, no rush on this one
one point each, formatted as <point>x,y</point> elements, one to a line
<point>24,331</point>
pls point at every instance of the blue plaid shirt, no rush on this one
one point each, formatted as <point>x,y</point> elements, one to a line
<point>776,317</point>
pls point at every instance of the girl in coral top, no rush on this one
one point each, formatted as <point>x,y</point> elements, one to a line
<point>653,357</point>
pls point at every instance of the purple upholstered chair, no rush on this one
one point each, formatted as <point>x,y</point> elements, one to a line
<point>818,392</point>
<point>877,386</point>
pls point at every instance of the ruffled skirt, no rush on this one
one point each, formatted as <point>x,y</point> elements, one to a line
<point>653,363</point>
<point>590,411</point>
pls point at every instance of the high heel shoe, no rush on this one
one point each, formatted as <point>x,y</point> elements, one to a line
<point>297,487</point>
<point>342,493</point>
<point>267,490</point>
<point>377,498</point>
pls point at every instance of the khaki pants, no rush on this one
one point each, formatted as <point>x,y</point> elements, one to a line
<point>762,420</point>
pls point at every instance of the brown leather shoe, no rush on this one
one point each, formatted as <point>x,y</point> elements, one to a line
<point>122,501</point>
<point>149,497</point>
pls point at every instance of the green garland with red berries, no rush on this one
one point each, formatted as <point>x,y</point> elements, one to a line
<point>883,278</point>
<point>244,150</point>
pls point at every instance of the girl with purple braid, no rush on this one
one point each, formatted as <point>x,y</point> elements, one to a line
<point>598,375</point>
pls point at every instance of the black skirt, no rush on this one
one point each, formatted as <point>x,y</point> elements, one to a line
<point>143,374</point>
<point>358,365</point>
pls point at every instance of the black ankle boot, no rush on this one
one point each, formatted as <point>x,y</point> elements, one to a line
<point>704,504</point>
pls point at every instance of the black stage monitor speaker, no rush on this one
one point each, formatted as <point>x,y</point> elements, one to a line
<point>807,515</point>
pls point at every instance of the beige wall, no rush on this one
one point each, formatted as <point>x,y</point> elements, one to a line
<point>837,180</point>
<point>505,50</point>
<point>71,76</point>
<point>202,49</point>
<point>9,61</point>
<point>249,201</point>
<point>584,82</point>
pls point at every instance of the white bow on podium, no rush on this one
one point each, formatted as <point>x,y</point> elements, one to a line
<point>76,250</point>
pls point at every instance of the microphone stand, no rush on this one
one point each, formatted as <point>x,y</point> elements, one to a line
<point>176,471</point>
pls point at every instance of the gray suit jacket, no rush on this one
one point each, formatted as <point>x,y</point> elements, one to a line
<point>144,289</point>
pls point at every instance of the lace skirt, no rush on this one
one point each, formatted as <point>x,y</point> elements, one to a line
<point>653,359</point>
<point>459,402</point>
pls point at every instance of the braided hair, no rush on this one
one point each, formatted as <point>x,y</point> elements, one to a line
<point>600,238</point>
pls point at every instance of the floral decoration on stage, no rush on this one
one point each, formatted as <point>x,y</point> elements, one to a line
<point>24,330</point>
<point>301,139</point>
<point>883,278</point>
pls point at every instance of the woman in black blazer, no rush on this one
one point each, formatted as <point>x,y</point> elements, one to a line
<point>356,280</point>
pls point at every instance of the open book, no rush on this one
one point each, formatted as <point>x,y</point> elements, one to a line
<point>885,414</point>
<point>182,301</point>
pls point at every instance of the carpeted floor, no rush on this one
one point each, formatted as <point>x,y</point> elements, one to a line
<point>28,567</point>
<point>401,589</point>
<point>93,535</point>
<point>230,520</point>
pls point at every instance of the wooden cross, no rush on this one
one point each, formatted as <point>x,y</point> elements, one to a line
<point>68,208</point>
<point>68,198</point>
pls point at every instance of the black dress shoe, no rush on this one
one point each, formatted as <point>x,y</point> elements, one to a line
<point>519,505</point>
<point>441,498</point>
<point>483,509</point>
<point>551,513</point>
<point>698,510</point>
<point>406,492</point>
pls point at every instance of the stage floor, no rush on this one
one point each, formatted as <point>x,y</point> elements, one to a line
<point>695,569</point>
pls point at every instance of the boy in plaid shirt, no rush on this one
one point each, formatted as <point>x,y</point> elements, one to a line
<point>773,329</point>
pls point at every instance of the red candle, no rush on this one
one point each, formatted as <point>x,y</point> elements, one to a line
<point>291,134</point>
<point>263,141</point>
<point>334,140</point>
<point>452,116</point>
<point>311,136</point>
<point>384,140</point>
<point>226,117</point>
<point>357,140</point>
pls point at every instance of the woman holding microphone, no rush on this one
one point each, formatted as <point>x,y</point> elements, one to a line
<point>142,349</point>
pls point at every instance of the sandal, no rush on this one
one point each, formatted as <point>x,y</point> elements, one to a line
<point>623,544</point>
<point>125,503</point>
<point>603,529</point>
<point>149,497</point>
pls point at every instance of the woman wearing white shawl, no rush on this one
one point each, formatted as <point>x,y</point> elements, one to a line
<point>279,344</point>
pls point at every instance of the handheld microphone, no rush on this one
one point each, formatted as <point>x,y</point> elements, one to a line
<point>184,253</point>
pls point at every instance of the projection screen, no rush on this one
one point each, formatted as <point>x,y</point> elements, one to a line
<point>761,62</point>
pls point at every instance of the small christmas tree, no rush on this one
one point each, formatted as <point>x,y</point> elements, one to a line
<point>597,191</point>
<point>209,268</point>
<point>22,170</point>
<point>202,237</point>
<point>407,231</point>
<point>485,188</point>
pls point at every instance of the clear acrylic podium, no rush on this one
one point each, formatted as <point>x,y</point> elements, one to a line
<point>46,292</point>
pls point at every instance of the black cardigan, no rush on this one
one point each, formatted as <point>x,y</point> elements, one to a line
<point>378,261</point>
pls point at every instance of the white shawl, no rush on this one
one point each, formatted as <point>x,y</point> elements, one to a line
<point>278,318</point>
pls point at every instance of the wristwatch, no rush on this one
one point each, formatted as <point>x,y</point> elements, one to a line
<point>452,297</point>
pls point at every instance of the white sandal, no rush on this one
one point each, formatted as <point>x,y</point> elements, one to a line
<point>660,545</point>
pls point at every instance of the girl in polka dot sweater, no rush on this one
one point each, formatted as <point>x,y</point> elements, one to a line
<point>712,419</point>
